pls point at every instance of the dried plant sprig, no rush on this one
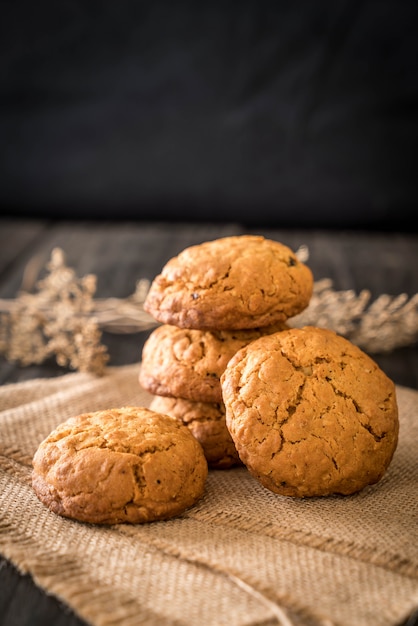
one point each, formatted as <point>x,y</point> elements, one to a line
<point>388,323</point>
<point>125,315</point>
<point>56,320</point>
<point>63,319</point>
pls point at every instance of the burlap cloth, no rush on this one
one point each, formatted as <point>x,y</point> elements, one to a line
<point>243,556</point>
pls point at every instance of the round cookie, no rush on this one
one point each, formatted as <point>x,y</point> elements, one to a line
<point>188,363</point>
<point>310,413</point>
<point>206,422</point>
<point>231,283</point>
<point>126,464</point>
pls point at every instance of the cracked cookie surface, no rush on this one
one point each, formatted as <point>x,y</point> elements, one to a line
<point>206,421</point>
<point>188,363</point>
<point>126,464</point>
<point>310,413</point>
<point>231,283</point>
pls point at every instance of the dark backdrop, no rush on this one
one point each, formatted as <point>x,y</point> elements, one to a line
<point>284,113</point>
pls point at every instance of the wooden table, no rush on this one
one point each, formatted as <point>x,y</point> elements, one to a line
<point>120,253</point>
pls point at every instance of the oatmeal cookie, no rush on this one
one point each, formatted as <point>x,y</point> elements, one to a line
<point>231,283</point>
<point>187,363</point>
<point>126,464</point>
<point>310,413</point>
<point>206,421</point>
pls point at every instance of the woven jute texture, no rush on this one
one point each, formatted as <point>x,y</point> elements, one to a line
<point>242,556</point>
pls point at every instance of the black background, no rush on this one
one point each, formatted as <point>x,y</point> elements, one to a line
<point>279,113</point>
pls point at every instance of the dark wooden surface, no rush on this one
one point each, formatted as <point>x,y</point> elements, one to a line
<point>120,253</point>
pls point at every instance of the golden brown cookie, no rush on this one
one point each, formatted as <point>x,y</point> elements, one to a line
<point>126,464</point>
<point>187,363</point>
<point>310,413</point>
<point>230,283</point>
<point>206,421</point>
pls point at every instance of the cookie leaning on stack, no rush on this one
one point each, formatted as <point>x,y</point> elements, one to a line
<point>213,299</point>
<point>310,413</point>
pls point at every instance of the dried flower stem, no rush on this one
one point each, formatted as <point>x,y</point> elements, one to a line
<point>63,319</point>
<point>388,323</point>
<point>57,320</point>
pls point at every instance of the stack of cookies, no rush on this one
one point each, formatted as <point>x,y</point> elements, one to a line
<point>307,412</point>
<point>212,300</point>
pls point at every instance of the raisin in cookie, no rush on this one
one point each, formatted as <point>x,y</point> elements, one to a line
<point>310,413</point>
<point>187,363</point>
<point>126,464</point>
<point>206,421</point>
<point>230,283</point>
